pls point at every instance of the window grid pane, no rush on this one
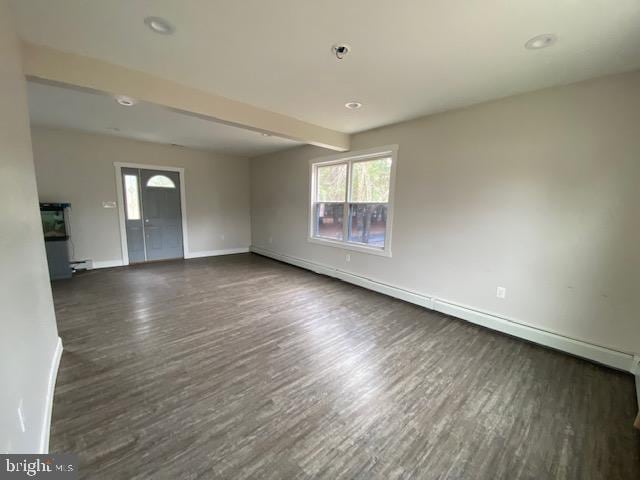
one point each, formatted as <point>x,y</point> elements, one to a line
<point>331,184</point>
<point>368,223</point>
<point>370,181</point>
<point>132,198</point>
<point>329,220</point>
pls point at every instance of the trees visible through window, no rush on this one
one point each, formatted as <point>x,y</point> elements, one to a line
<point>369,201</point>
<point>332,192</point>
<point>351,201</point>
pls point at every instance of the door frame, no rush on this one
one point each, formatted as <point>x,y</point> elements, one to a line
<point>120,202</point>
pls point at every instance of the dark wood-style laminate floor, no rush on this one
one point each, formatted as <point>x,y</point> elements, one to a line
<point>242,367</point>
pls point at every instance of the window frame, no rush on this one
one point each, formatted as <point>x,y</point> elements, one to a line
<point>351,158</point>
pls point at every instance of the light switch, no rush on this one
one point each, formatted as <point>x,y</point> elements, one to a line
<point>108,204</point>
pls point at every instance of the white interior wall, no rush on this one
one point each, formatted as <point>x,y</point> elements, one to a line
<point>29,349</point>
<point>77,167</point>
<point>537,193</point>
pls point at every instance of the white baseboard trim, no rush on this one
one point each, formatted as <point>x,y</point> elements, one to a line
<point>53,374</point>
<point>214,253</point>
<point>106,264</point>
<point>207,253</point>
<point>379,287</point>
<point>606,356</point>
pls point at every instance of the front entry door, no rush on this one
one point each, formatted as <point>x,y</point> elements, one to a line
<point>161,212</point>
<point>156,232</point>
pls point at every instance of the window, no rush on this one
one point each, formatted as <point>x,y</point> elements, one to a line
<point>161,181</point>
<point>351,201</point>
<point>332,181</point>
<point>132,199</point>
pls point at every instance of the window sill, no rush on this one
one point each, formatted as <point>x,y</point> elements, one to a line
<point>386,252</point>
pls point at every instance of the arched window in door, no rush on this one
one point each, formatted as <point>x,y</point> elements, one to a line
<point>160,181</point>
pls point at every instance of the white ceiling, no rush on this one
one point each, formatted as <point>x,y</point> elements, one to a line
<point>410,57</point>
<point>56,106</point>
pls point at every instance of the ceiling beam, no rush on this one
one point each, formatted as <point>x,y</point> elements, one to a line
<point>52,65</point>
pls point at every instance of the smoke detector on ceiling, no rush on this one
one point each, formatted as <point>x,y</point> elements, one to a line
<point>341,50</point>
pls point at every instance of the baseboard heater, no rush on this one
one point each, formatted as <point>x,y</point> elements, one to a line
<point>612,358</point>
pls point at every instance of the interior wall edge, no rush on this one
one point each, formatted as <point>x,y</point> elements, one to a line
<point>611,358</point>
<point>48,406</point>
<point>637,422</point>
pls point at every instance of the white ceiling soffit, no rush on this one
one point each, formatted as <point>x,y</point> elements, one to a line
<point>408,58</point>
<point>62,107</point>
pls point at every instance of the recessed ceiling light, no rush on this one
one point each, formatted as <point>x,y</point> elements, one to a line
<point>541,41</point>
<point>340,50</point>
<point>159,25</point>
<point>125,101</point>
<point>353,105</point>
<point>266,134</point>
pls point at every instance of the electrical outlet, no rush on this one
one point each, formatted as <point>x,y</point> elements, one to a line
<point>222,236</point>
<point>348,257</point>
<point>501,292</point>
<point>270,239</point>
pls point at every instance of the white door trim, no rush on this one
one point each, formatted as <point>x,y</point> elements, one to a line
<point>122,219</point>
